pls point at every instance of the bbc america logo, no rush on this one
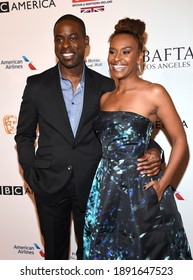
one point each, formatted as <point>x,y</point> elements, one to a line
<point>4,7</point>
<point>15,190</point>
<point>11,190</point>
<point>26,5</point>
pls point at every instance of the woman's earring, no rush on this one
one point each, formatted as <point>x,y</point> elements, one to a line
<point>139,69</point>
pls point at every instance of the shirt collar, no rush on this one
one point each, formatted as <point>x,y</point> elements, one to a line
<point>82,78</point>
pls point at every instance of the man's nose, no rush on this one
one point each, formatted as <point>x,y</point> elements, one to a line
<point>66,43</point>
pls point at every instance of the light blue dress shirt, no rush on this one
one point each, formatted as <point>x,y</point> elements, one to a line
<point>73,100</point>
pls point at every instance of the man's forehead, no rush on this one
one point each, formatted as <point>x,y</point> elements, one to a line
<point>68,26</point>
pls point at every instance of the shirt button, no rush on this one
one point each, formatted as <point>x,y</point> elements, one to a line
<point>69,167</point>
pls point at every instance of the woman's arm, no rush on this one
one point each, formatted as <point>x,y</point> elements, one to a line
<point>168,115</point>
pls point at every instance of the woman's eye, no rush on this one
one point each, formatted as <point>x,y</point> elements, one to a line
<point>126,52</point>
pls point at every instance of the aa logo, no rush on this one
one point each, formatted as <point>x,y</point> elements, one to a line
<point>179,196</point>
<point>40,250</point>
<point>31,66</point>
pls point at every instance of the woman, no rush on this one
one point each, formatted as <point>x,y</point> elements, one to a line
<point>131,216</point>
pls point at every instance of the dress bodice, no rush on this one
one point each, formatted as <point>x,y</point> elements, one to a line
<point>123,134</point>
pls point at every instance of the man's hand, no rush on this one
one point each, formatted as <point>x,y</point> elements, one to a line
<point>150,162</point>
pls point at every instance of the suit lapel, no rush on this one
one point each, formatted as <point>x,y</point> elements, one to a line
<point>61,116</point>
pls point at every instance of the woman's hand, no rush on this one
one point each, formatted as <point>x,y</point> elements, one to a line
<point>157,187</point>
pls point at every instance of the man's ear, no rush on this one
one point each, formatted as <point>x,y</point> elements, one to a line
<point>87,41</point>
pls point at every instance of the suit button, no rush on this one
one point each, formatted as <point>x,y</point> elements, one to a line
<point>69,167</point>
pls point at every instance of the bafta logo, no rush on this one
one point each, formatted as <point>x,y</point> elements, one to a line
<point>10,123</point>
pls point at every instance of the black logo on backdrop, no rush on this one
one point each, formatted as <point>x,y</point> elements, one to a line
<point>176,57</point>
<point>11,190</point>
<point>14,190</point>
<point>4,7</point>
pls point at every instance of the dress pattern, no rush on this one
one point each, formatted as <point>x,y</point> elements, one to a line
<point>123,221</point>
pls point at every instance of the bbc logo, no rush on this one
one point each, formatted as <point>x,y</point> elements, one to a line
<point>11,190</point>
<point>4,7</point>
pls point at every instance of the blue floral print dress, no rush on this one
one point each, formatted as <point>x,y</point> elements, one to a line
<point>123,221</point>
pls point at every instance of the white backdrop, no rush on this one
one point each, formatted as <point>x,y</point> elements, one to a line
<point>27,48</point>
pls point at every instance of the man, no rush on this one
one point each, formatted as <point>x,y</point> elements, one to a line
<point>63,102</point>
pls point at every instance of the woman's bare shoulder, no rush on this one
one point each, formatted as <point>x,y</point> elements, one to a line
<point>156,90</point>
<point>106,95</point>
<point>156,87</point>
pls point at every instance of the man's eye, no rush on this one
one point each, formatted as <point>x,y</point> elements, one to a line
<point>59,40</point>
<point>73,38</point>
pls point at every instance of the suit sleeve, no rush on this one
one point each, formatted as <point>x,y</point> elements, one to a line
<point>26,129</point>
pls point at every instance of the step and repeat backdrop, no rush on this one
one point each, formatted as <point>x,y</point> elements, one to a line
<point>27,48</point>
